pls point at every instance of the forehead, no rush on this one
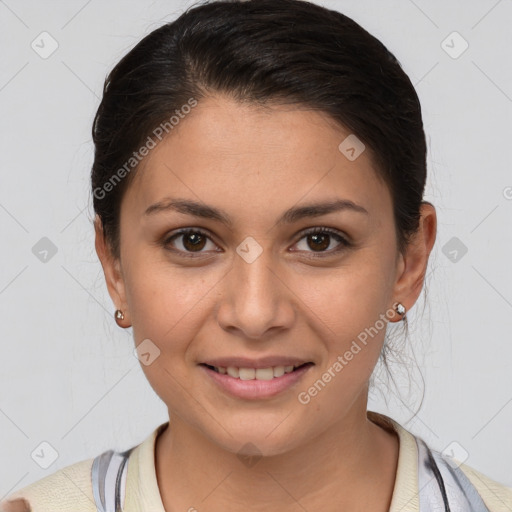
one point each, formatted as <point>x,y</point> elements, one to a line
<point>240,154</point>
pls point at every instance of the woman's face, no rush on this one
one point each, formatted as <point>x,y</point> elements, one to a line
<point>253,283</point>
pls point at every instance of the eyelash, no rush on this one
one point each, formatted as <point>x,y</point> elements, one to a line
<point>344,243</point>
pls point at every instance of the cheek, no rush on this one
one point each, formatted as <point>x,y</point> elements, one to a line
<point>348,299</point>
<point>165,302</point>
<point>167,307</point>
<point>346,308</point>
<point>352,346</point>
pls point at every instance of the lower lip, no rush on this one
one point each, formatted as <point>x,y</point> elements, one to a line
<point>256,389</point>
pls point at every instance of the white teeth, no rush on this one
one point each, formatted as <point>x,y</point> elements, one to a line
<point>246,373</point>
<point>279,371</point>
<point>256,373</point>
<point>264,374</point>
<point>232,371</point>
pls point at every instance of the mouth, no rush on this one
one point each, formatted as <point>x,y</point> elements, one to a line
<point>269,373</point>
<point>255,383</point>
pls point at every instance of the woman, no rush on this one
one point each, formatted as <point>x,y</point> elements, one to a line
<point>258,186</point>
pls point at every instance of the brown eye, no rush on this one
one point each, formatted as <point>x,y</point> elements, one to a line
<point>188,241</point>
<point>318,240</point>
<point>193,241</point>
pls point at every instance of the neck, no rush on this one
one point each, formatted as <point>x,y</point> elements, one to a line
<point>351,464</point>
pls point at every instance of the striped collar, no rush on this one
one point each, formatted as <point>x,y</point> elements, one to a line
<point>142,486</point>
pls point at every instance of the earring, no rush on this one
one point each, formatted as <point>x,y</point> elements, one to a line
<point>400,309</point>
<point>118,315</point>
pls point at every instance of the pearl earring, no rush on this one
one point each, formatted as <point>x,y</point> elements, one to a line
<point>400,309</point>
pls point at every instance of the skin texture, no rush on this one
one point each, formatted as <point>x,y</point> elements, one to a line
<point>19,505</point>
<point>254,164</point>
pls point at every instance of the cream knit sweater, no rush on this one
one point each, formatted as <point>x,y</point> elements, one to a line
<point>69,489</point>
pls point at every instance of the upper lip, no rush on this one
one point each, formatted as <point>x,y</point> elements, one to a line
<point>264,362</point>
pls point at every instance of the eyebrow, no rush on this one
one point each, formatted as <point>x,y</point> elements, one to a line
<point>294,214</point>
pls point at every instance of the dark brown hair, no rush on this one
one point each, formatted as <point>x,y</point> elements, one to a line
<point>262,51</point>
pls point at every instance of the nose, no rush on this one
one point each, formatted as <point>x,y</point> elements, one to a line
<point>256,301</point>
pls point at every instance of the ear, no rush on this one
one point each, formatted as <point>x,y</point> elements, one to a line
<point>412,265</point>
<point>113,272</point>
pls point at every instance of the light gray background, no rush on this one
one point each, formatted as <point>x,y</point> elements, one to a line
<point>68,374</point>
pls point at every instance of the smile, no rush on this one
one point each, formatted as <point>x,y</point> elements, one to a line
<point>255,383</point>
<point>255,373</point>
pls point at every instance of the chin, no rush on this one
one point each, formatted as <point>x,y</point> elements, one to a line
<point>262,439</point>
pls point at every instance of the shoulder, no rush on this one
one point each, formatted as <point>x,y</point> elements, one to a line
<point>497,496</point>
<point>69,488</point>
